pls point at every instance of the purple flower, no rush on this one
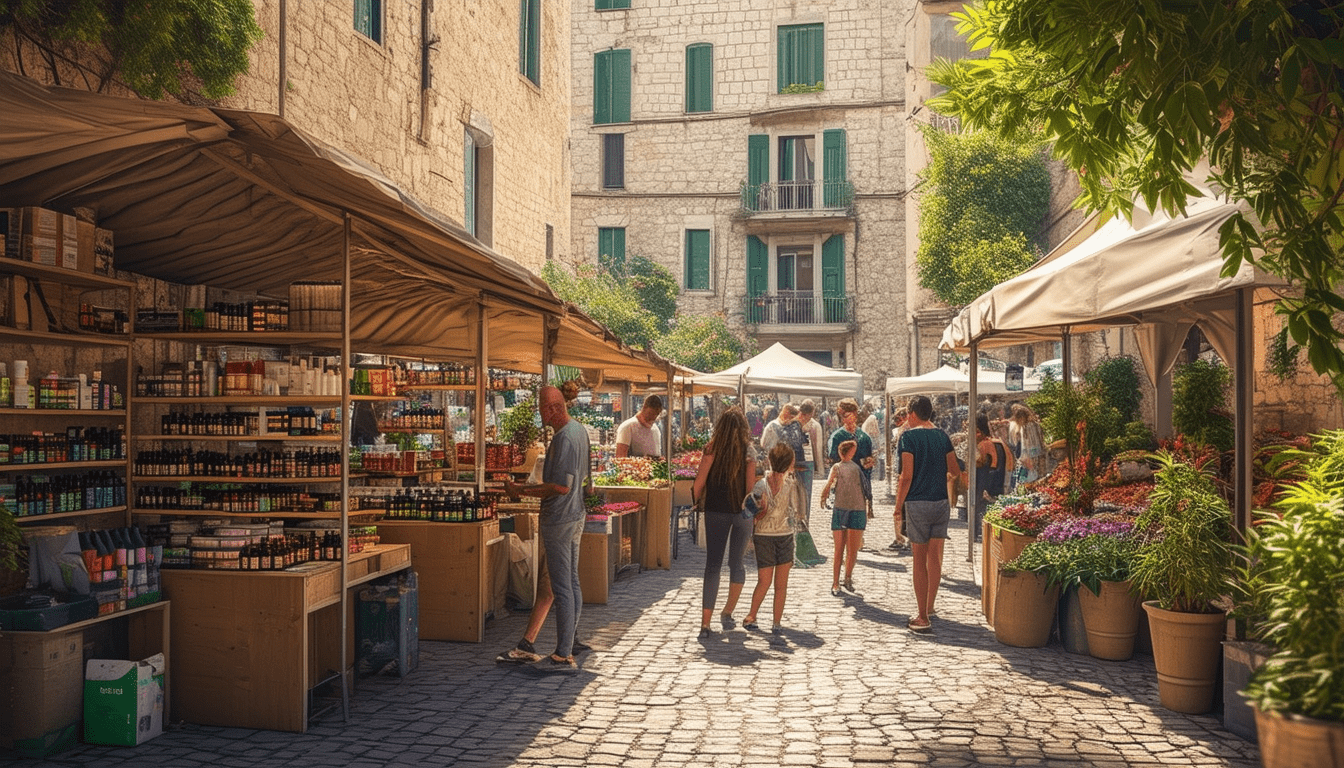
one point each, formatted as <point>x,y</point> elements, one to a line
<point>1072,528</point>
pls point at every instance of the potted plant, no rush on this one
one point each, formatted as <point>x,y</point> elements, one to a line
<point>1102,553</point>
<point>1296,557</point>
<point>1184,562</point>
<point>1012,522</point>
<point>1027,595</point>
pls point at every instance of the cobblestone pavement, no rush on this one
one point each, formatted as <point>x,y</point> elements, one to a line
<point>849,685</point>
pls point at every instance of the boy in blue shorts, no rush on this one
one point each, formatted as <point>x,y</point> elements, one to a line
<point>850,516</point>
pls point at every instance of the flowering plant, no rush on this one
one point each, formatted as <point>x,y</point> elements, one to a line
<point>1071,528</point>
<point>1027,515</point>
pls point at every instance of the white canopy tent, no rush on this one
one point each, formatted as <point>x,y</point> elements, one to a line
<point>949,380</point>
<point>779,369</point>
<point>1157,274</point>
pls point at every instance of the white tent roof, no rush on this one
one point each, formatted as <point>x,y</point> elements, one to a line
<point>1158,271</point>
<point>779,369</point>
<point>951,380</point>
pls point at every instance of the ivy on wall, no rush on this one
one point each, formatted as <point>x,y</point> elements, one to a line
<point>981,209</point>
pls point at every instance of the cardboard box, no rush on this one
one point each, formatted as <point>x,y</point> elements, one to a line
<point>68,252</point>
<point>39,236</point>
<point>9,233</point>
<point>102,251</point>
<point>123,700</point>
<point>85,233</point>
<point>40,687</point>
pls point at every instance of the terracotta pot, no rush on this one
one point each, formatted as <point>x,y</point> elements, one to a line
<point>1000,547</point>
<point>1186,650</point>
<point>1024,609</point>
<point>1294,741</point>
<point>1111,620</point>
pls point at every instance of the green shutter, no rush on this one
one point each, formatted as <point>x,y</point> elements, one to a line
<point>611,248</point>
<point>833,278</point>
<point>833,168</point>
<point>758,171</point>
<point>700,78</point>
<point>611,5</point>
<point>697,259</point>
<point>801,55</point>
<point>758,276</point>
<point>786,156</point>
<point>529,39</point>
<point>611,87</point>
<point>469,182</point>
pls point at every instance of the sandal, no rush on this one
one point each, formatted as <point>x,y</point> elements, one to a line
<point>849,585</point>
<point>835,592</point>
<point>749,624</point>
<point>915,625</point>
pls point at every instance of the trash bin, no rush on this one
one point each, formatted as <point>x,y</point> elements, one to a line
<point>387,627</point>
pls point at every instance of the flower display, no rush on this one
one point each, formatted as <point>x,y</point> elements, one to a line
<point>616,507</point>
<point>686,464</point>
<point>1073,528</point>
<point>1130,496</point>
<point>1027,515</point>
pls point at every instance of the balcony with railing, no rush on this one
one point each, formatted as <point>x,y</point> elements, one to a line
<point>798,198</point>
<point>798,308</point>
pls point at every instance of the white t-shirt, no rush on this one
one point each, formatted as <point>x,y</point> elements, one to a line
<point>643,441</point>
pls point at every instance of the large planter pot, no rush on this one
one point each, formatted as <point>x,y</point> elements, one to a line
<point>1240,660</point>
<point>1111,619</point>
<point>1293,741</point>
<point>1000,547</point>
<point>1187,648</point>
<point>1024,609</point>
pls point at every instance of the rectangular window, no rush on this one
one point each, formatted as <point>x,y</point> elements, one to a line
<point>469,182</point>
<point>369,19</point>
<point>529,39</point>
<point>797,172</point>
<point>697,260</point>
<point>612,5</point>
<point>611,248</point>
<point>801,57</point>
<point>700,78</point>
<point>611,86</point>
<point>613,161</point>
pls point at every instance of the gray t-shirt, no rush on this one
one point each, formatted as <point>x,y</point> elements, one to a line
<point>567,465</point>
<point>848,486</point>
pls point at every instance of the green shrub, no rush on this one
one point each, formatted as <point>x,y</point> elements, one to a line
<point>1199,404</point>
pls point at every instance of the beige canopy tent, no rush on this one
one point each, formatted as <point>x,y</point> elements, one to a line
<point>780,369</point>
<point>245,201</point>
<point>1158,274</point>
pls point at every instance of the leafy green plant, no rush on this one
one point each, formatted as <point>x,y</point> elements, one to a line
<point>656,288</point>
<point>1116,382</point>
<point>1281,356</point>
<point>981,207</point>
<point>1185,557</point>
<point>1199,404</point>
<point>702,342</point>
<point>1049,559</point>
<point>803,88</point>
<point>610,301</point>
<point>1296,581</point>
<point>517,425</point>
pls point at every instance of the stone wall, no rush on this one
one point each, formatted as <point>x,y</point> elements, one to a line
<point>685,170</point>
<point>1303,403</point>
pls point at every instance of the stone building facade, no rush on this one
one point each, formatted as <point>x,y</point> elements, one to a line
<point>411,86</point>
<point>783,212</point>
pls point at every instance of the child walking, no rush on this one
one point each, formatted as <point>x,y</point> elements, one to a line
<point>850,516</point>
<point>779,499</point>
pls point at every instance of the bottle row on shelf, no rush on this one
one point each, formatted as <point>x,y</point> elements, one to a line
<point>292,421</point>
<point>231,498</point>
<point>412,418</point>
<point>56,494</point>
<point>74,444</point>
<point>441,505</point>
<point>311,307</point>
<point>82,391</point>
<point>263,463</point>
<point>298,376</point>
<point>497,455</point>
<point>253,546</point>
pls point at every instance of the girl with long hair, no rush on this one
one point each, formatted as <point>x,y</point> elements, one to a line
<point>727,470</point>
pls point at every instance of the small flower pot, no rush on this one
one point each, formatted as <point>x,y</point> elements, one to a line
<point>1294,741</point>
<point>1024,609</point>
<point>1186,650</point>
<point>1111,619</point>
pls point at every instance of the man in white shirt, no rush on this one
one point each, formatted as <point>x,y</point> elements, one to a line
<point>639,435</point>
<point>814,450</point>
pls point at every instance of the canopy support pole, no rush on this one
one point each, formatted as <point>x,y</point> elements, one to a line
<point>347,424</point>
<point>1162,402</point>
<point>1243,382</point>
<point>482,389</point>
<point>1066,356</point>
<point>972,453</point>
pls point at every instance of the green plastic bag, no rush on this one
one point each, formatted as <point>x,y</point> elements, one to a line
<point>805,554</point>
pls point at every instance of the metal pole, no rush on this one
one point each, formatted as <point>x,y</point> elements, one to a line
<point>972,453</point>
<point>1243,384</point>
<point>667,414</point>
<point>482,388</point>
<point>347,417</point>
<point>1066,356</point>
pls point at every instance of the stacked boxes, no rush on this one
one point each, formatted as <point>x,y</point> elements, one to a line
<point>55,239</point>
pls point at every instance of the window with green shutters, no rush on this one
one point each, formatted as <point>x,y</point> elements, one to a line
<point>697,260</point>
<point>611,86</point>
<point>700,77</point>
<point>833,278</point>
<point>835,193</point>
<point>758,277</point>
<point>611,248</point>
<point>469,182</point>
<point>612,5</point>
<point>529,39</point>
<point>369,19</point>
<point>801,58</point>
<point>754,197</point>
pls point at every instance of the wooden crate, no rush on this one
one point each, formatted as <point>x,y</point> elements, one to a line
<point>453,566</point>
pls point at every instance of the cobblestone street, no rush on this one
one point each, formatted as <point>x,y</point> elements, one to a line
<point>848,685</point>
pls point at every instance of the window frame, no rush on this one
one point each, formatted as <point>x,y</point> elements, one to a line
<point>470,182</point>
<point>688,253</point>
<point>374,34</point>
<point>608,140</point>
<point>788,36</point>
<point>616,259</point>
<point>529,40</point>
<point>694,84</point>
<point>611,5</point>
<point>612,104</point>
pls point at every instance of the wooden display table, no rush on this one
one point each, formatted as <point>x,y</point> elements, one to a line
<point>249,645</point>
<point>653,550</point>
<point>453,567</point>
<point>42,673</point>
<point>602,555</point>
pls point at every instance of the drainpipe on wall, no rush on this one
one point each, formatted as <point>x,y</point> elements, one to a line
<point>427,43</point>
<point>283,80</point>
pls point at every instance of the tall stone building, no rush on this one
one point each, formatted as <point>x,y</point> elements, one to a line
<point>756,150</point>
<point>462,103</point>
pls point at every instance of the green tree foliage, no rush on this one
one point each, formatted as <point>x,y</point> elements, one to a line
<point>701,342</point>
<point>1116,380</point>
<point>608,300</point>
<point>1134,95</point>
<point>981,210</point>
<point>1199,404</point>
<point>157,46</point>
<point>656,288</point>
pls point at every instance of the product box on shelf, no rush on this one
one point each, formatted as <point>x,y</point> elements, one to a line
<point>39,236</point>
<point>40,687</point>
<point>123,700</point>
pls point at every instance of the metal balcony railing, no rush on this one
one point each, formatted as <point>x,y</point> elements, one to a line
<point>797,308</point>
<point>799,196</point>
